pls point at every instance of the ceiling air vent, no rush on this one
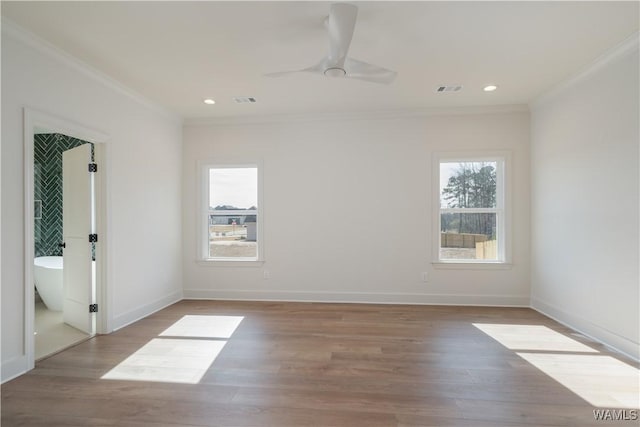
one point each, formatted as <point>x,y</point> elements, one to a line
<point>449,88</point>
<point>244,99</point>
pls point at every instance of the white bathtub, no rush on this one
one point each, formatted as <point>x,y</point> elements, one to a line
<point>47,272</point>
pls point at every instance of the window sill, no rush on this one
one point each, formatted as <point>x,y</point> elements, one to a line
<point>457,265</point>
<point>230,263</point>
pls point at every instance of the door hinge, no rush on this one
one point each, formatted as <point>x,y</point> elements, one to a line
<point>93,167</point>
<point>93,238</point>
<point>93,308</point>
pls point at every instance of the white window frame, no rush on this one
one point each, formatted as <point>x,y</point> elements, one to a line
<point>203,216</point>
<point>502,209</point>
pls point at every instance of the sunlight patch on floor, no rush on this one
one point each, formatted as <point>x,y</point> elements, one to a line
<point>532,337</point>
<point>200,326</point>
<point>168,360</point>
<point>182,353</point>
<point>601,380</point>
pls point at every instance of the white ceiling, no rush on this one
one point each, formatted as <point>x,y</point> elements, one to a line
<point>178,53</point>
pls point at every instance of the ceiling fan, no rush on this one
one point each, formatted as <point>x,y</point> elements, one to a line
<point>340,25</point>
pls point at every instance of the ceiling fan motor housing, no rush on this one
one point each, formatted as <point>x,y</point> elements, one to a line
<point>335,72</point>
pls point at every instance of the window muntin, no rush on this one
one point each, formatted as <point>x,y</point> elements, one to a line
<point>231,213</point>
<point>471,210</point>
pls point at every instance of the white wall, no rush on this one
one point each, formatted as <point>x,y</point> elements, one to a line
<point>144,175</point>
<point>347,206</point>
<point>585,201</point>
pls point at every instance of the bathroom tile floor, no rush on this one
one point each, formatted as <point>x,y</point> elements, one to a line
<point>52,334</point>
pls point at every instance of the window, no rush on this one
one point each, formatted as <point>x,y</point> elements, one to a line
<point>471,209</point>
<point>231,213</point>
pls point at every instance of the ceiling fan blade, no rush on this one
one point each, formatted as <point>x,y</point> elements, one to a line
<point>340,25</point>
<point>319,69</point>
<point>372,73</point>
<point>281,73</point>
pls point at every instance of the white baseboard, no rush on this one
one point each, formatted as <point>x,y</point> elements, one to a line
<point>358,297</point>
<point>586,327</point>
<point>13,368</point>
<point>129,317</point>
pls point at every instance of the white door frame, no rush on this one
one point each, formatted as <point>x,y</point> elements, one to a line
<point>37,122</point>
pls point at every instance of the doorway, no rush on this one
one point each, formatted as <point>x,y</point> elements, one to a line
<point>63,261</point>
<point>65,278</point>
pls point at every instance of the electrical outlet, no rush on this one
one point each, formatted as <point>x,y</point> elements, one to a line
<point>425,276</point>
<point>266,274</point>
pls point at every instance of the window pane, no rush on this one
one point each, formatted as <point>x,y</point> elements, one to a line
<point>233,212</point>
<point>233,236</point>
<point>468,184</point>
<point>233,188</point>
<point>468,236</point>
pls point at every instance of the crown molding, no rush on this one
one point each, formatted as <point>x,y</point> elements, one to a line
<point>619,51</point>
<point>12,30</point>
<point>353,116</point>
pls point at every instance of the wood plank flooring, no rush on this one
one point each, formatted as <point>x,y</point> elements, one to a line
<point>313,364</point>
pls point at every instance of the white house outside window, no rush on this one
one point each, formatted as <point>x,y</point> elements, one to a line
<point>471,209</point>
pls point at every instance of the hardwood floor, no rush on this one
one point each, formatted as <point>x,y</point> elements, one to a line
<point>302,364</point>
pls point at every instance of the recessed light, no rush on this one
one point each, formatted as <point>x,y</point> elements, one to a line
<point>209,101</point>
<point>490,88</point>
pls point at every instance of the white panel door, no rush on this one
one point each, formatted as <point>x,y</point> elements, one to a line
<point>76,224</point>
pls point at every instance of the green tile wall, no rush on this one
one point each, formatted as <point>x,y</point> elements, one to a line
<point>47,155</point>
